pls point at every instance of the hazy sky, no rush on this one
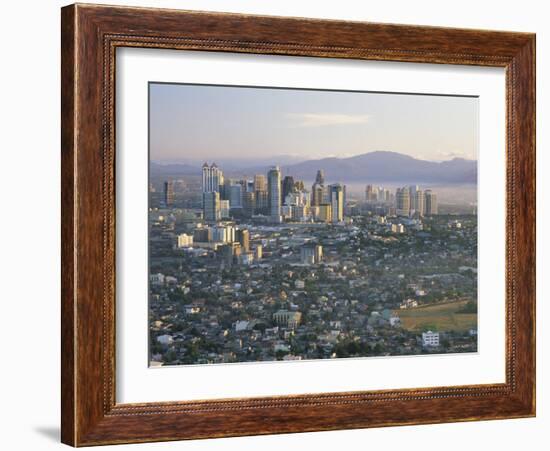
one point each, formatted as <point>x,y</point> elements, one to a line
<point>195,123</point>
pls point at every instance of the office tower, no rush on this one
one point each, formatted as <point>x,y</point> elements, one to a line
<point>262,202</point>
<point>430,200</point>
<point>260,182</point>
<point>203,235</point>
<point>403,201</point>
<point>317,195</point>
<point>249,203</point>
<point>235,195</point>
<point>311,254</point>
<point>419,202</point>
<point>211,206</point>
<point>274,193</point>
<point>412,197</point>
<point>243,237</point>
<point>318,191</point>
<point>336,193</point>
<point>224,208</point>
<point>258,252</point>
<point>299,212</point>
<point>325,213</point>
<point>372,193</point>
<point>320,178</point>
<point>212,178</point>
<point>230,230</point>
<point>288,186</point>
<point>168,193</point>
<point>219,234</point>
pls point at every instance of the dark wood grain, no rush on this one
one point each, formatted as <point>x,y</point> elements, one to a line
<point>90,36</point>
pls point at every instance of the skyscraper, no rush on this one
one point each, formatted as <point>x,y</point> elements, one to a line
<point>403,201</point>
<point>336,193</point>
<point>318,189</point>
<point>431,207</point>
<point>274,193</point>
<point>211,206</point>
<point>419,206</point>
<point>249,203</point>
<point>288,186</point>
<point>212,178</point>
<point>260,183</point>
<point>235,195</point>
<point>243,237</point>
<point>168,195</point>
<point>320,178</point>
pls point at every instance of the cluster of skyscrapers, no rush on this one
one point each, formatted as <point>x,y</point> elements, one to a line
<point>272,196</point>
<point>278,199</point>
<point>408,200</point>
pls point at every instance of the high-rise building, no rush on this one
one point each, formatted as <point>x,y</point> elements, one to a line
<point>262,202</point>
<point>311,254</point>
<point>419,202</point>
<point>336,193</point>
<point>288,187</point>
<point>235,195</point>
<point>212,178</point>
<point>317,194</point>
<point>219,234</point>
<point>430,199</point>
<point>260,182</point>
<point>168,195</point>
<point>318,190</point>
<point>184,240</point>
<point>249,203</point>
<point>211,206</point>
<point>243,237</point>
<point>203,235</point>
<point>274,193</point>
<point>325,213</point>
<point>224,208</point>
<point>403,201</point>
<point>320,178</point>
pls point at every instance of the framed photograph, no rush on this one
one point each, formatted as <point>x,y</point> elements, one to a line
<point>278,225</point>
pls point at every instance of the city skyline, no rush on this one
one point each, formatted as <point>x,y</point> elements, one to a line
<point>372,255</point>
<point>258,123</point>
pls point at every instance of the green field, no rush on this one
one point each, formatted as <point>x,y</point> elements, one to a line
<point>439,317</point>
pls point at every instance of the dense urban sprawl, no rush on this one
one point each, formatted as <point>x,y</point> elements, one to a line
<point>267,269</point>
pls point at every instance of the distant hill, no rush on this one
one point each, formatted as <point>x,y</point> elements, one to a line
<point>378,166</point>
<point>383,166</point>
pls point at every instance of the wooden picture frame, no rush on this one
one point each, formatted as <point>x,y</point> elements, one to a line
<point>90,36</point>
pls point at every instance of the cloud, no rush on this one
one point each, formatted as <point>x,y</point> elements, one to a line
<point>326,119</point>
<point>442,156</point>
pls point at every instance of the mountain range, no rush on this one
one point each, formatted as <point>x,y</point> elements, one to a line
<point>378,166</point>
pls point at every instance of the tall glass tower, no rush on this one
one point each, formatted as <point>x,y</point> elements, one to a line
<point>274,193</point>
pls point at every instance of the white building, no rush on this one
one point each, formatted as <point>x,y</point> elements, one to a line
<point>157,279</point>
<point>430,339</point>
<point>165,339</point>
<point>185,240</point>
<point>241,325</point>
